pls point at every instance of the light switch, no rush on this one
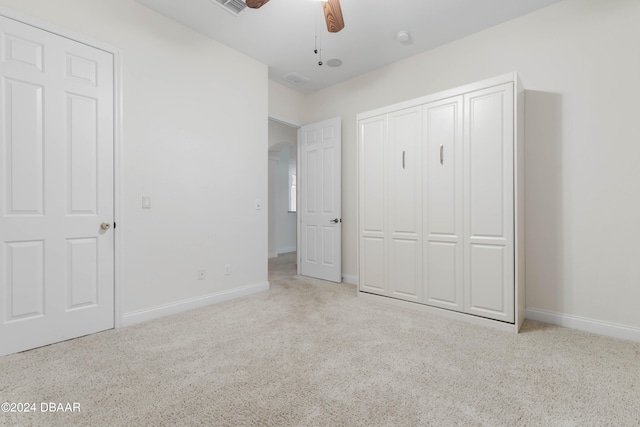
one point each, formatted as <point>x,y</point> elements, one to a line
<point>146,202</point>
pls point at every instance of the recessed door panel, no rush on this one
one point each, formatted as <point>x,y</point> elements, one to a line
<point>328,235</point>
<point>444,145</point>
<point>405,133</point>
<point>82,70</point>
<point>311,234</point>
<point>372,152</point>
<point>490,161</point>
<point>443,275</point>
<point>328,175</point>
<point>82,273</point>
<point>404,271</point>
<point>487,279</point>
<point>311,187</point>
<point>24,270</point>
<point>82,140</point>
<point>372,270</point>
<point>23,51</point>
<point>24,147</point>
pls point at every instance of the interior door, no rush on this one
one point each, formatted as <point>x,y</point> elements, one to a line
<point>372,170</point>
<point>405,207</point>
<point>488,193</point>
<point>443,204</point>
<point>56,188</point>
<point>320,146</point>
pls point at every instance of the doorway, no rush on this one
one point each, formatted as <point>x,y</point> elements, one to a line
<point>282,199</point>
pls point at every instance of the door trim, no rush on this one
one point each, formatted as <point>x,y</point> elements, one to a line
<point>117,140</point>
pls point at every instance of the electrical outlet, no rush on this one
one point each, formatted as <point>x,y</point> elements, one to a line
<point>227,270</point>
<point>202,274</point>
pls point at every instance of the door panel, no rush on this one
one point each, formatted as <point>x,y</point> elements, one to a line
<point>405,210</point>
<point>23,118</point>
<point>25,280</point>
<point>489,221</point>
<point>320,173</point>
<point>56,184</point>
<point>372,268</point>
<point>487,277</point>
<point>405,131</point>
<point>372,214</point>
<point>404,269</point>
<point>443,204</point>
<point>372,167</point>
<point>442,275</point>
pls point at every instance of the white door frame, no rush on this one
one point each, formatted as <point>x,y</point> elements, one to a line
<point>117,140</point>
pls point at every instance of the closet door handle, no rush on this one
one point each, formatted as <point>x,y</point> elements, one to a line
<point>403,159</point>
<point>441,154</point>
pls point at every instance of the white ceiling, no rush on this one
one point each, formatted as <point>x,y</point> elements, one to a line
<point>282,34</point>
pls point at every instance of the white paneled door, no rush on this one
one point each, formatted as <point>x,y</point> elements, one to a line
<point>56,188</point>
<point>488,193</point>
<point>320,200</point>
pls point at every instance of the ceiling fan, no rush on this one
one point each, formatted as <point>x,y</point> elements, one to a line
<point>332,13</point>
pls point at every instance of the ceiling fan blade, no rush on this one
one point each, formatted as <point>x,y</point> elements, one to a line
<point>333,15</point>
<point>256,4</point>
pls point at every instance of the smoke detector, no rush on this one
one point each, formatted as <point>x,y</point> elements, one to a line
<point>403,37</point>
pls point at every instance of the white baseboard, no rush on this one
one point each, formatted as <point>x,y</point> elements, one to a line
<point>350,279</point>
<point>286,250</point>
<point>189,304</point>
<point>599,327</point>
<point>273,254</point>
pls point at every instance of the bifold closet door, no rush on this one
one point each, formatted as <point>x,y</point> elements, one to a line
<point>443,204</point>
<point>372,194</point>
<point>405,205</point>
<point>488,194</point>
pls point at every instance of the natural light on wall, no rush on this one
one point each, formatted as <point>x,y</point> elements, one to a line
<point>292,193</point>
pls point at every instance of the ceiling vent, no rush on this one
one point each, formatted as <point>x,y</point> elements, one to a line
<point>232,6</point>
<point>295,79</point>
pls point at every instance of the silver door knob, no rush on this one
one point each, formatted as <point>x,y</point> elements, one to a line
<point>335,221</point>
<point>105,225</point>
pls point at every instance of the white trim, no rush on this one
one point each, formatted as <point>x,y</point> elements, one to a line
<point>449,93</point>
<point>350,279</point>
<point>273,254</point>
<point>286,250</point>
<point>117,138</point>
<point>192,303</point>
<point>453,315</point>
<point>284,121</point>
<point>613,330</point>
<point>118,185</point>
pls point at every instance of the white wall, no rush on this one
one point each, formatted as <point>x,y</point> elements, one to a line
<point>286,104</point>
<point>187,103</point>
<point>579,62</point>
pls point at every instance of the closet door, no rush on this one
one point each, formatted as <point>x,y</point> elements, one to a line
<point>443,204</point>
<point>404,204</point>
<point>373,195</point>
<point>488,195</point>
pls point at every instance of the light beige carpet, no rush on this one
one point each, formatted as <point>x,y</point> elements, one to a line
<point>311,353</point>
